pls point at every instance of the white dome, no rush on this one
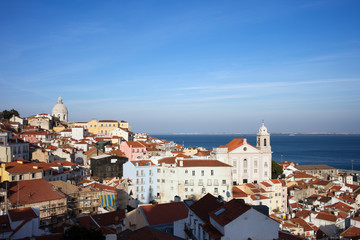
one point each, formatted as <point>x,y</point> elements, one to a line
<point>60,110</point>
<point>263,130</point>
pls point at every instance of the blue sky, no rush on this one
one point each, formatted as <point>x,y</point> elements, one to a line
<point>186,66</point>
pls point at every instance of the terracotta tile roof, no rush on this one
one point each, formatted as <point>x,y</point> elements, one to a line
<point>340,206</point>
<point>118,153</point>
<point>229,211</point>
<point>302,175</point>
<point>273,216</point>
<point>266,184</point>
<point>168,160</point>
<point>143,163</point>
<point>258,197</point>
<point>164,213</point>
<point>26,166</point>
<point>314,167</point>
<point>233,144</point>
<point>303,213</point>
<point>205,205</point>
<point>306,226</point>
<point>356,218</point>
<point>352,232</point>
<point>326,217</point>
<point>22,214</point>
<point>238,193</point>
<point>275,181</point>
<point>136,144</point>
<point>202,154</point>
<point>107,121</point>
<point>288,225</point>
<point>202,163</point>
<point>182,156</point>
<point>32,191</point>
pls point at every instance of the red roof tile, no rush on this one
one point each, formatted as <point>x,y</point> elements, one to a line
<point>326,217</point>
<point>164,213</point>
<point>32,191</point>
<point>351,232</point>
<point>230,211</point>
<point>205,205</point>
<point>22,214</point>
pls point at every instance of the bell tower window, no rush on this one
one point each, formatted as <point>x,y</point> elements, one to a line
<point>265,142</point>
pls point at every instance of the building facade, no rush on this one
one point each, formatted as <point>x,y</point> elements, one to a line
<point>249,164</point>
<point>192,178</point>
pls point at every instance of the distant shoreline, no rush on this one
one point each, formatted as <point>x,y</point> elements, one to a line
<point>283,134</point>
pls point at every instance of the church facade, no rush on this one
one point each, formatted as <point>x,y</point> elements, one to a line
<point>249,164</point>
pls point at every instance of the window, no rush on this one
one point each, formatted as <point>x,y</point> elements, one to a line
<point>265,165</point>
<point>186,171</point>
<point>101,125</point>
<point>216,190</point>
<point>105,124</point>
<point>33,175</point>
<point>158,170</point>
<point>265,142</point>
<point>216,183</point>
<point>91,126</point>
<point>255,163</point>
<point>191,182</point>
<point>186,182</point>
<point>193,173</point>
<point>223,182</point>
<point>209,182</point>
<point>202,172</point>
<point>13,178</point>
<point>245,163</point>
<point>201,182</point>
<point>203,190</point>
<point>212,172</point>
<point>21,177</point>
<point>245,170</point>
<point>265,174</point>
<point>137,172</point>
<point>234,163</point>
<point>186,189</point>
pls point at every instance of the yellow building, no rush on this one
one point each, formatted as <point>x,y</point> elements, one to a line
<point>104,127</point>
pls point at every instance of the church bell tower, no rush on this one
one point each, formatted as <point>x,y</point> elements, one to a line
<point>263,139</point>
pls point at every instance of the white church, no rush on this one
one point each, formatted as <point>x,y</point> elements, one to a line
<point>249,164</point>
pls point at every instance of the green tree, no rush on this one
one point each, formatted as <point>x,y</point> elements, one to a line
<point>6,114</point>
<point>77,232</point>
<point>276,170</point>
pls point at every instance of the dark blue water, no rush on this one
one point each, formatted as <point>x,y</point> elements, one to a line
<point>335,150</point>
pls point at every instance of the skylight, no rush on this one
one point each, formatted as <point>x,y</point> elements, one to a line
<point>217,213</point>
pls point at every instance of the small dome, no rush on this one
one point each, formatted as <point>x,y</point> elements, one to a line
<point>263,130</point>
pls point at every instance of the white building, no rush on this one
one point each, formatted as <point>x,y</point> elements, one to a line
<point>143,175</point>
<point>210,218</point>
<point>60,111</point>
<point>249,164</point>
<point>192,178</point>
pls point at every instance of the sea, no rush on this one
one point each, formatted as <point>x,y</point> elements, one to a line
<point>339,151</point>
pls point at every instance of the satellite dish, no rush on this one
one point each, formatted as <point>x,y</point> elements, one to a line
<point>228,194</point>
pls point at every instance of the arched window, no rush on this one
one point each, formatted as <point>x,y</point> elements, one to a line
<point>265,142</point>
<point>245,163</point>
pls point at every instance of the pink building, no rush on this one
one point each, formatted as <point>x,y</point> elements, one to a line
<point>134,150</point>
